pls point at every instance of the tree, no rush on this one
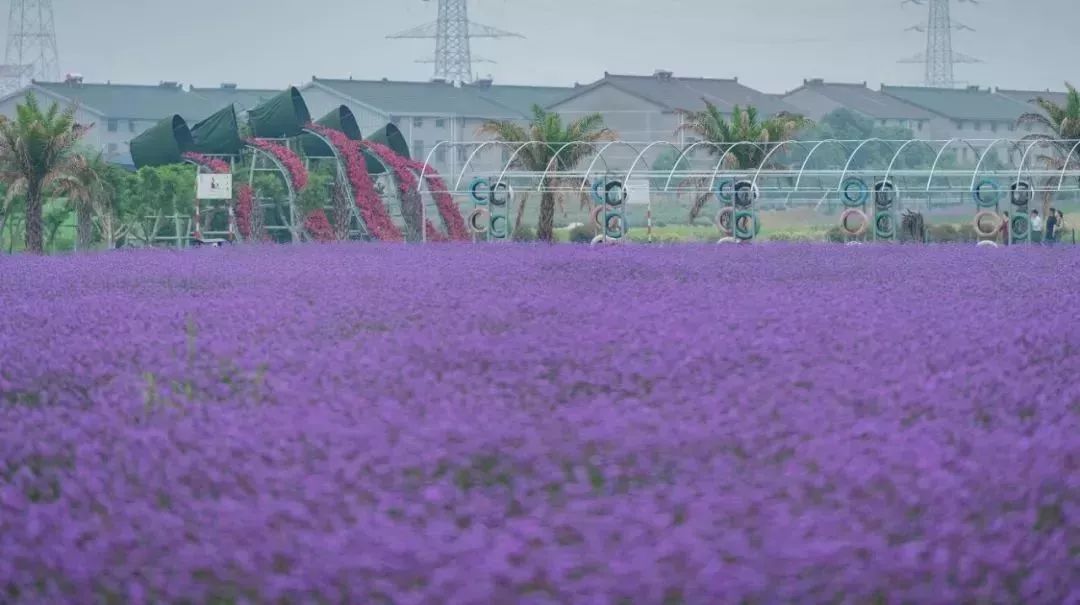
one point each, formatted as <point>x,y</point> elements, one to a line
<point>87,187</point>
<point>37,149</point>
<point>548,135</point>
<point>1063,124</point>
<point>731,135</point>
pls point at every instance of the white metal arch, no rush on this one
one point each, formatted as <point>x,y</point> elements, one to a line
<point>509,162</point>
<point>982,157</point>
<point>427,162</point>
<point>555,159</point>
<point>716,170</point>
<point>600,154</point>
<point>683,155</point>
<point>1023,158</point>
<point>851,158</point>
<point>933,167</point>
<point>802,169</point>
<point>896,156</point>
<point>468,160</point>
<point>769,155</point>
<point>642,153</point>
<point>1065,166</point>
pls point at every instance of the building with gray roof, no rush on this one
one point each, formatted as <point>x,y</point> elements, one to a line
<point>817,98</point>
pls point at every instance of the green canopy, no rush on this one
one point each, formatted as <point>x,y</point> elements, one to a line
<point>164,143</point>
<point>390,136</point>
<point>285,115</point>
<point>341,119</point>
<point>218,134</point>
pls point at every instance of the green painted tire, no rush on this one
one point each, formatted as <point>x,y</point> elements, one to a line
<point>742,231</point>
<point>884,225</point>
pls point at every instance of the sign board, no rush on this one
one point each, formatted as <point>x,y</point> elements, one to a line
<point>214,187</point>
<point>637,192</point>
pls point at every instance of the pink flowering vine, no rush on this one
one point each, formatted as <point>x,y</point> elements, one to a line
<point>214,165</point>
<point>298,174</point>
<point>406,171</point>
<point>245,207</point>
<point>433,234</point>
<point>318,225</point>
<point>367,199</point>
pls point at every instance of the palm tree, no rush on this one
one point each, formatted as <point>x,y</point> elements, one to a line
<point>548,136</point>
<point>87,186</point>
<point>37,149</point>
<point>744,126</point>
<point>1061,128</point>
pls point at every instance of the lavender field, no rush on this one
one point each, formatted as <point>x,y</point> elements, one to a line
<point>501,424</point>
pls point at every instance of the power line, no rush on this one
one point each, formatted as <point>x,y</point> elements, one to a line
<point>939,58</point>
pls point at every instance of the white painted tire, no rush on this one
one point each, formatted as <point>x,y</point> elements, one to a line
<point>986,244</point>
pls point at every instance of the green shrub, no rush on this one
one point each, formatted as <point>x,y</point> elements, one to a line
<point>582,234</point>
<point>524,233</point>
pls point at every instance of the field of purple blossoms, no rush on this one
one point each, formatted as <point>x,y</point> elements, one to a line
<point>515,424</point>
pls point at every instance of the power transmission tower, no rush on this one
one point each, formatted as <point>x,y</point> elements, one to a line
<point>939,58</point>
<point>452,32</point>
<point>31,44</point>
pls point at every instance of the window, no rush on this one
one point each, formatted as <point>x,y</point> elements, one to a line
<point>111,148</point>
<point>113,125</point>
<point>440,123</point>
<point>978,125</point>
<point>462,153</point>
<point>131,125</point>
<point>417,148</point>
<point>418,122</point>
<point>993,126</point>
<point>440,152</point>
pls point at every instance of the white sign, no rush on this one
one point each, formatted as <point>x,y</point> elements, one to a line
<point>637,192</point>
<point>214,187</point>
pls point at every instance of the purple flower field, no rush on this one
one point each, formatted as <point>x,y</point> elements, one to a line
<point>514,424</point>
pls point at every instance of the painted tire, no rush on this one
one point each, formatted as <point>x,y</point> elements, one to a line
<point>1019,226</point>
<point>1021,194</point>
<point>479,189</point>
<point>723,220</point>
<point>724,190</point>
<point>595,217</point>
<point>619,229</point>
<point>746,193</point>
<point>864,222</point>
<point>478,220</point>
<point>597,187</point>
<point>885,194</point>
<point>979,221</point>
<point>986,244</point>
<point>500,194</point>
<point>728,240</point>
<point>746,232</point>
<point>854,192</point>
<point>986,194</point>
<point>608,197</point>
<point>499,226</point>
<point>884,225</point>
<point>600,239</point>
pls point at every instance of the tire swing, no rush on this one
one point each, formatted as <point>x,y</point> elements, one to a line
<point>854,192</point>
<point>884,194</point>
<point>986,194</point>
<point>617,198</point>
<point>614,226</point>
<point>724,221</point>
<point>864,222</point>
<point>1021,193</point>
<point>479,189</point>
<point>479,220</point>
<point>746,225</point>
<point>981,220</point>
<point>884,225</point>
<point>1019,226</point>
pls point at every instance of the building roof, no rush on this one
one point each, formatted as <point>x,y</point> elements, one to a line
<point>521,98</point>
<point>242,98</point>
<point>396,98</point>
<point>131,101</point>
<point>864,100</point>
<point>971,103</point>
<point>674,93</point>
<point>1029,96</point>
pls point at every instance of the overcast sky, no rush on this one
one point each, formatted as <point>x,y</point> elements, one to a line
<point>769,44</point>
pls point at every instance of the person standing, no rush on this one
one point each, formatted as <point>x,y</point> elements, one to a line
<point>1004,228</point>
<point>1036,227</point>
<point>1052,226</point>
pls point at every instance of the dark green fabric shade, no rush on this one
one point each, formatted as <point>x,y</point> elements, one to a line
<point>341,119</point>
<point>283,116</point>
<point>218,134</point>
<point>390,136</point>
<point>163,144</point>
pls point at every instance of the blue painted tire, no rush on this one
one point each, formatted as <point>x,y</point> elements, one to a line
<point>479,196</point>
<point>725,189</point>
<point>986,194</point>
<point>597,187</point>
<point>854,192</point>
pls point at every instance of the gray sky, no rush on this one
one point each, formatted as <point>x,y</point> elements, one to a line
<point>1024,43</point>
